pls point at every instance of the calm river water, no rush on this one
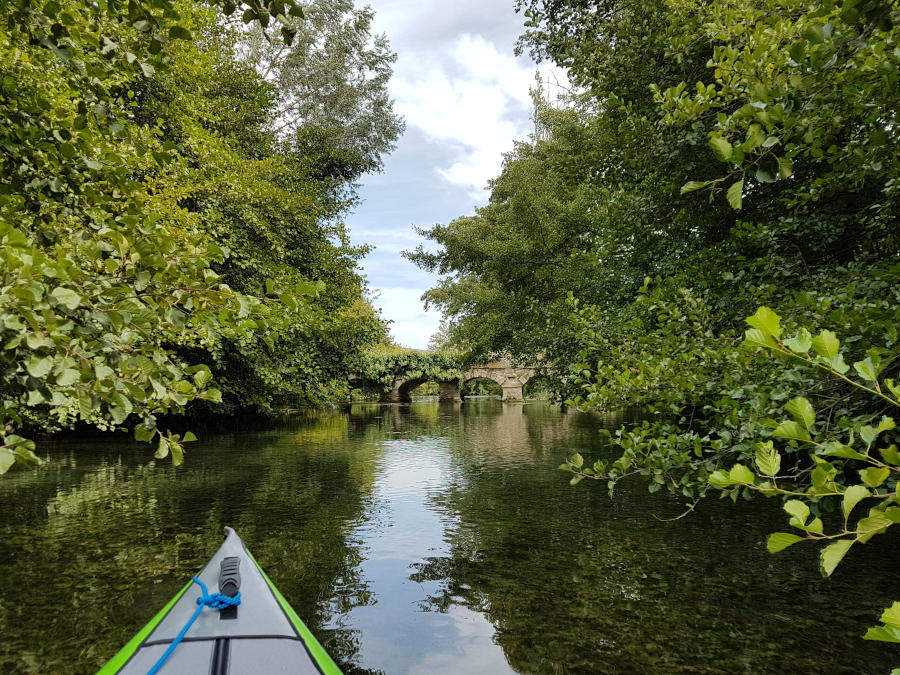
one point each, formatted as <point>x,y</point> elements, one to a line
<point>428,538</point>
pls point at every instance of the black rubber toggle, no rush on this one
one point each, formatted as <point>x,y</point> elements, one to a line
<point>229,583</point>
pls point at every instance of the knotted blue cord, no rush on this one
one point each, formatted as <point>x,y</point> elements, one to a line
<point>216,601</point>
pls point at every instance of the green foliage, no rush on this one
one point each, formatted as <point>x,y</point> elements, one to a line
<point>150,223</point>
<point>623,211</point>
<point>383,363</point>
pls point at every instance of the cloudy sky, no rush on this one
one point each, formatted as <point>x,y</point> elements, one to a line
<point>465,97</point>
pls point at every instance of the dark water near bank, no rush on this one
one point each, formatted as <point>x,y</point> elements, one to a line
<point>430,538</point>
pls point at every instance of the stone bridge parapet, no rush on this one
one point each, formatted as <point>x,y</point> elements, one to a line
<point>510,377</point>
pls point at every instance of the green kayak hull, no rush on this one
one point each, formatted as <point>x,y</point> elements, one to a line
<point>263,635</point>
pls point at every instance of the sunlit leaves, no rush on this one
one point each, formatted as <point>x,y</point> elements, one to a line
<point>831,555</point>
<point>874,476</point>
<point>852,496</point>
<point>800,343</point>
<point>779,541</point>
<point>735,194</point>
<point>890,631</point>
<point>801,410</point>
<point>798,511</point>
<point>766,321</point>
<point>875,523</point>
<point>722,148</point>
<point>826,344</point>
<point>767,459</point>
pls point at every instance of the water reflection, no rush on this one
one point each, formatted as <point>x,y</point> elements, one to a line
<point>431,537</point>
<point>409,472</point>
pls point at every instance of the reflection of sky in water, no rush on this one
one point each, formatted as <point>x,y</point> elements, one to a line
<point>396,634</point>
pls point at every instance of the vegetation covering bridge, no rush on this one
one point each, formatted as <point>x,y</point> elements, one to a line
<point>398,372</point>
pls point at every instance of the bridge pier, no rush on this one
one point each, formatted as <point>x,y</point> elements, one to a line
<point>394,395</point>
<point>448,391</point>
<point>513,393</point>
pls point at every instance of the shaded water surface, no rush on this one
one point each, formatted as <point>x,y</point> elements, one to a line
<point>427,538</point>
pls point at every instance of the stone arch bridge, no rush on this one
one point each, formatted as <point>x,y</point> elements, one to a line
<point>511,378</point>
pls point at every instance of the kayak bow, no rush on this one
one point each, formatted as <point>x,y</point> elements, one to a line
<point>262,634</point>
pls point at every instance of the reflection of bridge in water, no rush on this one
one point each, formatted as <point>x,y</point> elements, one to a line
<point>511,378</point>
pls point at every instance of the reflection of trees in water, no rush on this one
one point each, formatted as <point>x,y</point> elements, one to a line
<point>574,582</point>
<point>112,543</point>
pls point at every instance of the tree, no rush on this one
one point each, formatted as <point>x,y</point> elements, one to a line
<point>331,80</point>
<point>123,270</point>
<point>722,156</point>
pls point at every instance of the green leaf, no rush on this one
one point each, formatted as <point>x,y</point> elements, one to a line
<point>894,389</point>
<point>188,437</point>
<point>722,149</point>
<point>39,367</point>
<point>7,459</point>
<point>778,541</point>
<point>143,433</point>
<point>767,459</point>
<point>767,321</point>
<point>576,460</point>
<point>826,344</point>
<point>764,175</point>
<point>799,510</point>
<point>800,343</point>
<point>741,474</point>
<point>883,634</point>
<point>693,185</point>
<point>838,449</point>
<point>791,429</point>
<point>202,377</point>
<point>836,362</point>
<point>162,450</point>
<point>853,495</point>
<point>785,167</point>
<point>832,554</point>
<point>213,395</point>
<point>67,377</point>
<point>867,369</point>
<point>876,523</point>
<point>735,194</point>
<point>720,479</point>
<point>757,338</point>
<point>891,455</point>
<point>177,453</point>
<point>875,476</point>
<point>66,297</point>
<point>868,433</point>
<point>891,615</point>
<point>886,424</point>
<point>814,34</point>
<point>802,411</point>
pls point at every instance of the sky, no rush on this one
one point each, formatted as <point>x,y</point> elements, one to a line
<point>465,98</point>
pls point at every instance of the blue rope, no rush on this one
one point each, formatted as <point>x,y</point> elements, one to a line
<point>216,601</point>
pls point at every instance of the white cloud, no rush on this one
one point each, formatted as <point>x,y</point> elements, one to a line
<point>472,97</point>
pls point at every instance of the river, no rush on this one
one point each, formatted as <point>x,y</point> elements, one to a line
<point>428,538</point>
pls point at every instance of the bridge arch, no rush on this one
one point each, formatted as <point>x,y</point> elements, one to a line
<point>399,371</point>
<point>466,385</point>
